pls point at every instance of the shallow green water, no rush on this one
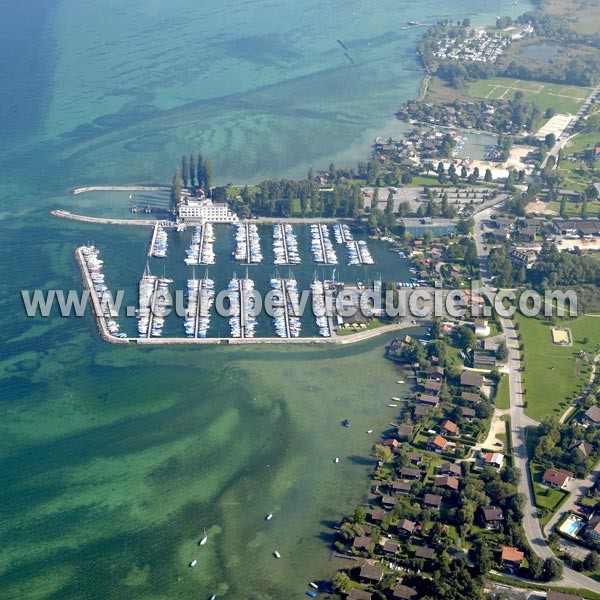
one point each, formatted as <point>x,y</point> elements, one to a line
<point>112,460</point>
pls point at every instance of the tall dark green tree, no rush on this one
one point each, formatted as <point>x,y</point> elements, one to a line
<point>176,190</point>
<point>192,165</point>
<point>185,169</point>
<point>200,170</point>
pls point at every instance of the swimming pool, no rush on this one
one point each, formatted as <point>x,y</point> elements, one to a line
<point>571,526</point>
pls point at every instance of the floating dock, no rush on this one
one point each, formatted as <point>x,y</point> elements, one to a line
<point>358,251</point>
<point>321,246</point>
<point>285,245</point>
<point>286,308</point>
<point>247,244</point>
<point>241,295</point>
<point>201,250</point>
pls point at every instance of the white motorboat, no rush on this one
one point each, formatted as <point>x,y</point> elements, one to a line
<point>204,539</point>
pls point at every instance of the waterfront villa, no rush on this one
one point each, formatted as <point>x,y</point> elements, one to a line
<point>370,574</point>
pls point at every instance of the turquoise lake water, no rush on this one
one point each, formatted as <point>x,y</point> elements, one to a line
<point>114,460</point>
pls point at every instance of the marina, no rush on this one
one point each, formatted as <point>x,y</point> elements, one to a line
<point>285,245</point>
<point>201,250</point>
<point>241,296</point>
<point>200,294</point>
<point>358,251</point>
<point>159,243</point>
<point>321,245</point>
<point>286,307</point>
<point>153,299</point>
<point>247,241</point>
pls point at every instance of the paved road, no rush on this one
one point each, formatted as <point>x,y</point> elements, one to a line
<point>519,423</point>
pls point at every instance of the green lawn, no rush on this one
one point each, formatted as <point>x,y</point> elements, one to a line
<point>581,142</point>
<point>562,98</point>
<point>551,372</point>
<point>502,398</point>
<point>573,209</point>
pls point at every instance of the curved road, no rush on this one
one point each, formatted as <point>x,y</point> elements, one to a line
<point>519,422</point>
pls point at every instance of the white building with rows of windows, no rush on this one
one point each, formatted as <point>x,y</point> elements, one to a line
<point>194,210</point>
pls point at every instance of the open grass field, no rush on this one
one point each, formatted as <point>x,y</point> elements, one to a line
<point>554,375</point>
<point>582,142</point>
<point>562,98</point>
<point>573,209</point>
<point>502,399</point>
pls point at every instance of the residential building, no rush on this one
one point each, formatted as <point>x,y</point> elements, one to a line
<point>388,502</point>
<point>390,548</point>
<point>449,428</point>
<point>435,372</point>
<point>470,397</point>
<point>432,386</point>
<point>433,501</point>
<point>592,415</point>
<point>451,469</point>
<point>425,552</point>
<point>410,473</point>
<point>406,527</point>
<point>437,443</point>
<point>492,517</point>
<point>557,478</point>
<point>582,447</point>
<point>494,459</point>
<point>484,361</point>
<point>400,487</point>
<point>428,400</point>
<point>403,592</point>
<point>358,594</point>
<point>447,482</point>
<point>415,458</point>
<point>512,558</point>
<point>482,328</point>
<point>471,380</point>
<point>467,413</point>
<point>421,411</point>
<point>370,574</point>
<point>362,543</point>
<point>405,432</point>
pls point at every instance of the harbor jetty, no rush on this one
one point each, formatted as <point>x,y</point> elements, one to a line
<point>65,214</point>
<point>121,188</point>
<point>102,306</point>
